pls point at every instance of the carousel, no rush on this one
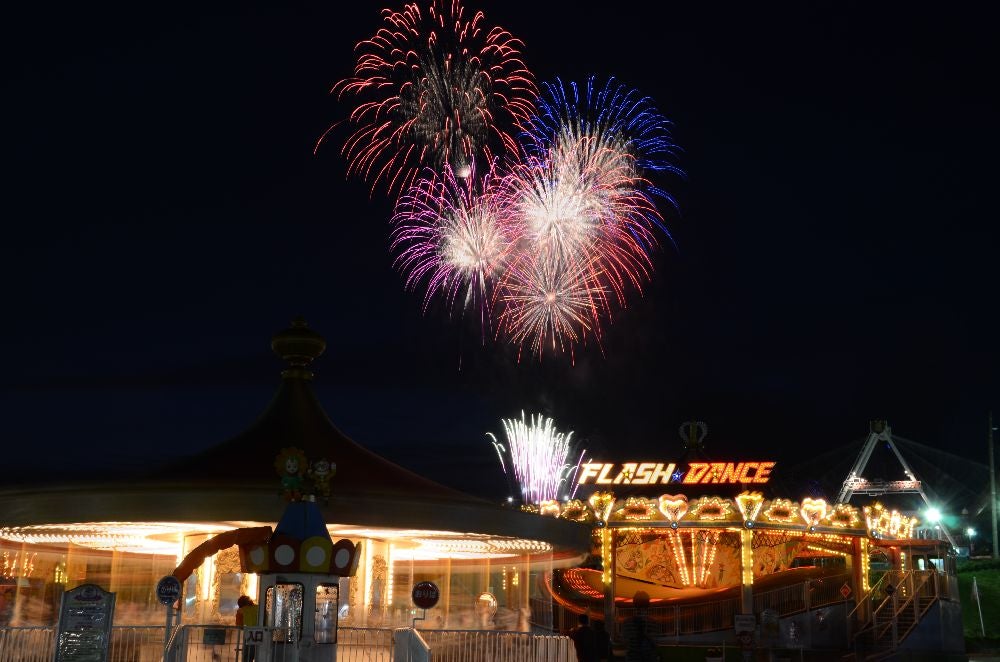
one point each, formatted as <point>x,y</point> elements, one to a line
<point>397,528</point>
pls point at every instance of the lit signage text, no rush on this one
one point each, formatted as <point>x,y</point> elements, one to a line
<point>652,473</point>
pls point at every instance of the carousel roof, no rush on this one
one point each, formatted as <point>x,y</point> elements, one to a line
<point>295,418</point>
<point>237,480</point>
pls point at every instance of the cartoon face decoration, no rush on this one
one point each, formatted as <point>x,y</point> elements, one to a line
<point>321,467</point>
<point>292,465</point>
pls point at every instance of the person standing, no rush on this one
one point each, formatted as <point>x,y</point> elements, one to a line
<point>639,647</point>
<point>602,642</point>
<point>246,616</point>
<point>584,640</point>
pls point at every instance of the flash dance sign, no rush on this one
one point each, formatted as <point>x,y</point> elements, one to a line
<point>653,473</point>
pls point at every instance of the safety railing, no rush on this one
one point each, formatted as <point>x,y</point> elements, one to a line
<point>27,644</point>
<point>683,619</point>
<point>899,601</point>
<point>409,646</point>
<point>541,613</point>
<point>364,644</point>
<point>212,643</point>
<point>678,620</point>
<point>496,646</point>
<point>807,595</point>
<point>129,643</point>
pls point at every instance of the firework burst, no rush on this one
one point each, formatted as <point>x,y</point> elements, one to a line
<point>434,88</point>
<point>587,211</point>
<point>612,115</point>
<point>541,460</point>
<point>549,304</point>
<point>454,235</point>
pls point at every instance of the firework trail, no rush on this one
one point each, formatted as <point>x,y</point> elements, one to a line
<point>433,88</point>
<point>539,457</point>
<point>454,235</point>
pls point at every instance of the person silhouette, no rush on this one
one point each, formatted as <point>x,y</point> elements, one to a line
<point>584,640</point>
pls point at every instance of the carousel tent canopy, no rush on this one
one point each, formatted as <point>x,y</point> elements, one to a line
<point>236,481</point>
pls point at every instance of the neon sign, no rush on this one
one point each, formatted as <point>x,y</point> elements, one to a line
<point>658,473</point>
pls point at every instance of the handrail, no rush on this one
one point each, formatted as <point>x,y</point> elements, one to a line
<point>869,594</point>
<point>909,589</point>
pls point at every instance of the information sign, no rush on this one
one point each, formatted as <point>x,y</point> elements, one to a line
<point>85,617</point>
<point>745,622</point>
<point>425,594</point>
<point>168,590</point>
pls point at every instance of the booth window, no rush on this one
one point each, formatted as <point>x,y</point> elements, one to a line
<point>283,611</point>
<point>327,600</point>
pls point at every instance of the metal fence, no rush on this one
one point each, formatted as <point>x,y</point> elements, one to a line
<point>493,646</point>
<point>211,643</point>
<point>678,620</point>
<point>140,643</point>
<point>27,644</point>
<point>806,595</point>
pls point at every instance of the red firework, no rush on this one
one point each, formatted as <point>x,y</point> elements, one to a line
<point>433,89</point>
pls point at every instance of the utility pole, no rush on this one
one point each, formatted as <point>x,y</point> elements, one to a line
<point>993,491</point>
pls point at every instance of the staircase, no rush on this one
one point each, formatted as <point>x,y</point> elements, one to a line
<point>904,599</point>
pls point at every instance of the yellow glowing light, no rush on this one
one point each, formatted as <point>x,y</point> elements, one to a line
<point>746,557</point>
<point>844,515</point>
<point>711,508</point>
<point>817,548</point>
<point>162,538</point>
<point>637,508</point>
<point>606,556</point>
<point>750,504</point>
<point>576,511</point>
<point>703,562</point>
<point>728,472</point>
<point>549,507</point>
<point>813,511</point>
<point>602,502</point>
<point>865,565</point>
<point>18,566</point>
<point>782,511</point>
<point>368,573</point>
<point>673,506</point>
<point>390,579</point>
<point>877,519</point>
<point>678,547</point>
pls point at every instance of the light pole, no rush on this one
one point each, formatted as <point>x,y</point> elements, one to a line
<point>993,491</point>
<point>971,533</point>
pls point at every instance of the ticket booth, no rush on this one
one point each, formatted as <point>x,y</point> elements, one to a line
<point>301,570</point>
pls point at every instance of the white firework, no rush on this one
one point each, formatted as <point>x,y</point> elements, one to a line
<point>539,457</point>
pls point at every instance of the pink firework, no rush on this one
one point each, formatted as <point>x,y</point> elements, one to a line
<point>586,229</point>
<point>434,89</point>
<point>453,235</point>
<point>550,305</point>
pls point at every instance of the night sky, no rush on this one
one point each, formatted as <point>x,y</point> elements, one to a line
<point>834,259</point>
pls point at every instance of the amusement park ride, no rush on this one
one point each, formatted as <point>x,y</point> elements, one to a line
<point>841,573</point>
<point>855,483</point>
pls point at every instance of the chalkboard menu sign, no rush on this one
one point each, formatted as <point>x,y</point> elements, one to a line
<point>85,624</point>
